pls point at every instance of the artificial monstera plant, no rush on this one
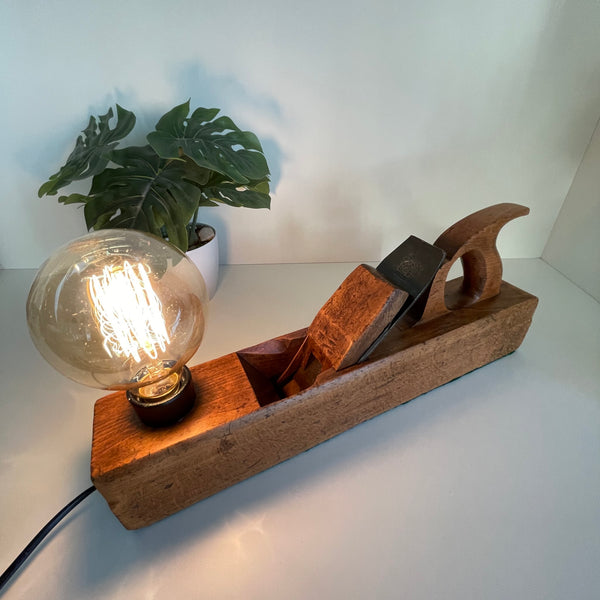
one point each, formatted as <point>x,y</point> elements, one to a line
<point>190,161</point>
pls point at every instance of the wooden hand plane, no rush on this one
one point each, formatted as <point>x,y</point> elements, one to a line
<point>380,340</point>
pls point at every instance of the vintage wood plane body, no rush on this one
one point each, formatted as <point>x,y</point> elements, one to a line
<point>262,405</point>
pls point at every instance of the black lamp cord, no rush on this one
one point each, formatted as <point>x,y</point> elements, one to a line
<point>36,541</point>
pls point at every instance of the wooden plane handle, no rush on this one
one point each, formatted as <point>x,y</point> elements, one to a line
<point>473,240</point>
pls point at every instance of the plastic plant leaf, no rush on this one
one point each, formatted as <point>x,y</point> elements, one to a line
<point>92,150</point>
<point>213,143</point>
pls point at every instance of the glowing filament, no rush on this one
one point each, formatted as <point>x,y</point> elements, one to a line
<point>128,311</point>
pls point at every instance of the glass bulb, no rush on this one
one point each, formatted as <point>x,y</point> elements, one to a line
<point>119,309</point>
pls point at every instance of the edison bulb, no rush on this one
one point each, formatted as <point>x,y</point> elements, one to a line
<point>121,310</point>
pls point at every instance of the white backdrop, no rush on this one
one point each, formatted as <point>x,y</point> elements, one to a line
<point>574,245</point>
<point>379,119</point>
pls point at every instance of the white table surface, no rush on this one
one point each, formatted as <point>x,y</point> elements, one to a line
<point>486,488</point>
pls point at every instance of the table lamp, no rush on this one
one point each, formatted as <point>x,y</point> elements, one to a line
<point>122,310</point>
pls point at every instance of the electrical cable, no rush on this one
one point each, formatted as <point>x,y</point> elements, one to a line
<point>35,542</point>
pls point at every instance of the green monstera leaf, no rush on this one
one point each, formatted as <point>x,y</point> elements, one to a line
<point>219,190</point>
<point>92,150</point>
<point>145,192</point>
<point>213,143</point>
<point>191,161</point>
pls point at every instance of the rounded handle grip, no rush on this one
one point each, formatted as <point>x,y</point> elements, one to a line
<point>473,240</point>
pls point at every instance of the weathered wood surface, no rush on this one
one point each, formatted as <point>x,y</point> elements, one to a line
<point>146,475</point>
<point>347,324</point>
<point>241,424</point>
<point>352,319</point>
<point>473,241</point>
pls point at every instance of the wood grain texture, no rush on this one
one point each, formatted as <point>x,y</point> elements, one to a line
<point>473,241</point>
<point>245,423</point>
<point>345,326</point>
<point>146,475</point>
<point>350,321</point>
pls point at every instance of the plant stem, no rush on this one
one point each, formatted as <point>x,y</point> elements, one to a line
<point>193,236</point>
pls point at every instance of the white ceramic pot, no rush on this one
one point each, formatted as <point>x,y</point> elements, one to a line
<point>206,258</point>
